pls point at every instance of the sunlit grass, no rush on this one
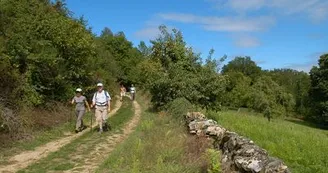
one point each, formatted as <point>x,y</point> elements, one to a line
<point>45,136</point>
<point>304,149</point>
<point>63,159</point>
<point>159,144</point>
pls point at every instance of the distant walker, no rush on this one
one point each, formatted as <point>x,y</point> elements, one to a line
<point>133,92</point>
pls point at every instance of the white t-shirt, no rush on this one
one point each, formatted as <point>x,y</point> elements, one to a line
<point>133,89</point>
<point>101,98</point>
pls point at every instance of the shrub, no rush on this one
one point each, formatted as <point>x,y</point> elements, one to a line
<point>179,107</point>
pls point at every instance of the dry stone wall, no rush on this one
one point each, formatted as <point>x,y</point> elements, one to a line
<point>238,154</point>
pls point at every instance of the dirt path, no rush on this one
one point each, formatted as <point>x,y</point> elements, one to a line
<point>101,151</point>
<point>26,158</point>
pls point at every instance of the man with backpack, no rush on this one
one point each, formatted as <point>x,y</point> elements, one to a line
<point>133,92</point>
<point>101,101</point>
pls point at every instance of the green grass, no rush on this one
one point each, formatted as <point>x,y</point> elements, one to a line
<point>64,160</point>
<point>43,137</point>
<point>40,138</point>
<point>159,144</point>
<point>304,149</point>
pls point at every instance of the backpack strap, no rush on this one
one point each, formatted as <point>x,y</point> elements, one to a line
<point>106,95</point>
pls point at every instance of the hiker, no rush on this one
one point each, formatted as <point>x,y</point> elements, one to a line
<point>122,92</point>
<point>133,92</point>
<point>101,101</point>
<point>80,102</point>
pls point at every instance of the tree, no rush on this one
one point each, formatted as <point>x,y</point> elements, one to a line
<point>265,94</point>
<point>182,74</point>
<point>295,82</point>
<point>126,56</point>
<point>49,49</point>
<point>244,65</point>
<point>106,32</point>
<point>237,89</point>
<point>319,90</point>
<point>144,49</point>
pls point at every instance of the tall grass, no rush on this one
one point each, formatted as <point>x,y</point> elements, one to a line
<point>159,144</point>
<point>45,126</point>
<point>64,158</point>
<point>304,149</point>
<point>48,126</point>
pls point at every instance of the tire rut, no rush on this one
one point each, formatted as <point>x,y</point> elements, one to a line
<point>101,151</point>
<point>26,158</point>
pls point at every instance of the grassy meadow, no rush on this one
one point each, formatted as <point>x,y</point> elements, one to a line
<point>302,147</point>
<point>160,144</point>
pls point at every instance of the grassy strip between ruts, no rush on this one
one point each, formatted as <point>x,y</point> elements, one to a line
<point>69,156</point>
<point>46,136</point>
<point>304,149</point>
<point>159,144</point>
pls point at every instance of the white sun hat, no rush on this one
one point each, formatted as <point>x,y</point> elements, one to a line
<point>78,90</point>
<point>100,85</point>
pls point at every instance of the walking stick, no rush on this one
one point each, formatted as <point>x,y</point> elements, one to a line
<point>91,121</point>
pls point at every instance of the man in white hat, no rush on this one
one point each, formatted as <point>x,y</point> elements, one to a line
<point>133,92</point>
<point>101,101</point>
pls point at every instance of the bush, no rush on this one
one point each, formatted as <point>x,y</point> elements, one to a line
<point>9,121</point>
<point>179,107</point>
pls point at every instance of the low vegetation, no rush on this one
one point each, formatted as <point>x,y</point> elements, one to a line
<point>68,156</point>
<point>160,144</point>
<point>301,146</point>
<point>46,53</point>
<point>52,125</point>
<point>44,126</point>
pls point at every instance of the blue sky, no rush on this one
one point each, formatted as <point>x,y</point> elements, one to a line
<point>275,33</point>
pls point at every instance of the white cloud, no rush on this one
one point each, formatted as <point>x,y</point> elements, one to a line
<point>250,5</point>
<point>149,32</point>
<point>259,62</point>
<point>307,66</point>
<point>246,41</point>
<point>230,24</point>
<point>319,13</point>
<point>316,10</point>
<point>227,24</point>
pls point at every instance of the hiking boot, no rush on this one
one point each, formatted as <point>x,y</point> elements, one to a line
<point>106,127</point>
<point>100,131</point>
<point>76,131</point>
<point>83,128</point>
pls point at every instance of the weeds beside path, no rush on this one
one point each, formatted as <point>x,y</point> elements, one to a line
<point>91,162</point>
<point>26,158</point>
<point>88,149</point>
<point>159,144</point>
